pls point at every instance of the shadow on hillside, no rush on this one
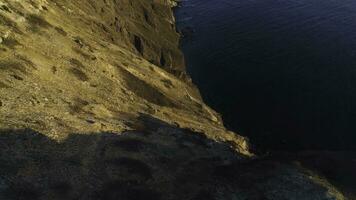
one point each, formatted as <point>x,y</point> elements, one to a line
<point>156,161</point>
<point>149,163</point>
<point>339,167</point>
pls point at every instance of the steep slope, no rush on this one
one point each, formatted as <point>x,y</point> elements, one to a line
<point>82,66</point>
<point>95,104</point>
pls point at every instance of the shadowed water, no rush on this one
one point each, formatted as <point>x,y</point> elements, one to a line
<point>282,72</point>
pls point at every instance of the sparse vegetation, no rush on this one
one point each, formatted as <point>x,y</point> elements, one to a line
<point>9,23</point>
<point>138,44</point>
<point>168,83</point>
<point>79,74</point>
<point>17,77</point>
<point>5,8</point>
<point>12,66</point>
<point>98,136</point>
<point>37,22</point>
<point>77,106</point>
<point>76,63</point>
<point>82,53</point>
<point>145,91</point>
<point>162,60</point>
<point>77,70</point>
<point>54,69</point>
<point>3,85</point>
<point>10,42</point>
<point>60,31</point>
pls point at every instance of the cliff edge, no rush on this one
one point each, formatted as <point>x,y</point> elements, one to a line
<point>95,103</point>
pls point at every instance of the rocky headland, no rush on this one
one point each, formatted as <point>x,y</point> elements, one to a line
<point>95,103</point>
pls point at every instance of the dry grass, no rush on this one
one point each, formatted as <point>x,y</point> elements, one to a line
<point>37,22</point>
<point>10,42</point>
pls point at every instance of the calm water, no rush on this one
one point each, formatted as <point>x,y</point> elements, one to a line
<point>282,72</point>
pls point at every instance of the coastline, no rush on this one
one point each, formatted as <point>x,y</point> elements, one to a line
<point>315,161</point>
<point>93,106</point>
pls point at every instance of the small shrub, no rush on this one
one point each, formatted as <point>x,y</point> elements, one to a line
<point>60,31</point>
<point>79,74</point>
<point>10,42</point>
<point>78,105</point>
<point>37,22</point>
<point>13,66</point>
<point>83,54</point>
<point>76,63</point>
<point>17,77</point>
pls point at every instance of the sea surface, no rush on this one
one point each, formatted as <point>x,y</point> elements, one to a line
<point>282,72</point>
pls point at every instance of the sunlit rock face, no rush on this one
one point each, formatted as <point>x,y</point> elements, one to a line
<point>95,103</point>
<point>87,66</point>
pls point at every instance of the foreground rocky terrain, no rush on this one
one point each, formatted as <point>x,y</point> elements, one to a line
<point>95,104</point>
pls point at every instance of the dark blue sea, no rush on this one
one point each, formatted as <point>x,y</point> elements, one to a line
<point>282,72</point>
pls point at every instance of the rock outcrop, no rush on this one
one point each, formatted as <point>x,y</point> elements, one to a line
<point>95,103</point>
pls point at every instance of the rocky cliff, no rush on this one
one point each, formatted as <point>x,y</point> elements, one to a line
<point>95,104</point>
<point>91,66</point>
